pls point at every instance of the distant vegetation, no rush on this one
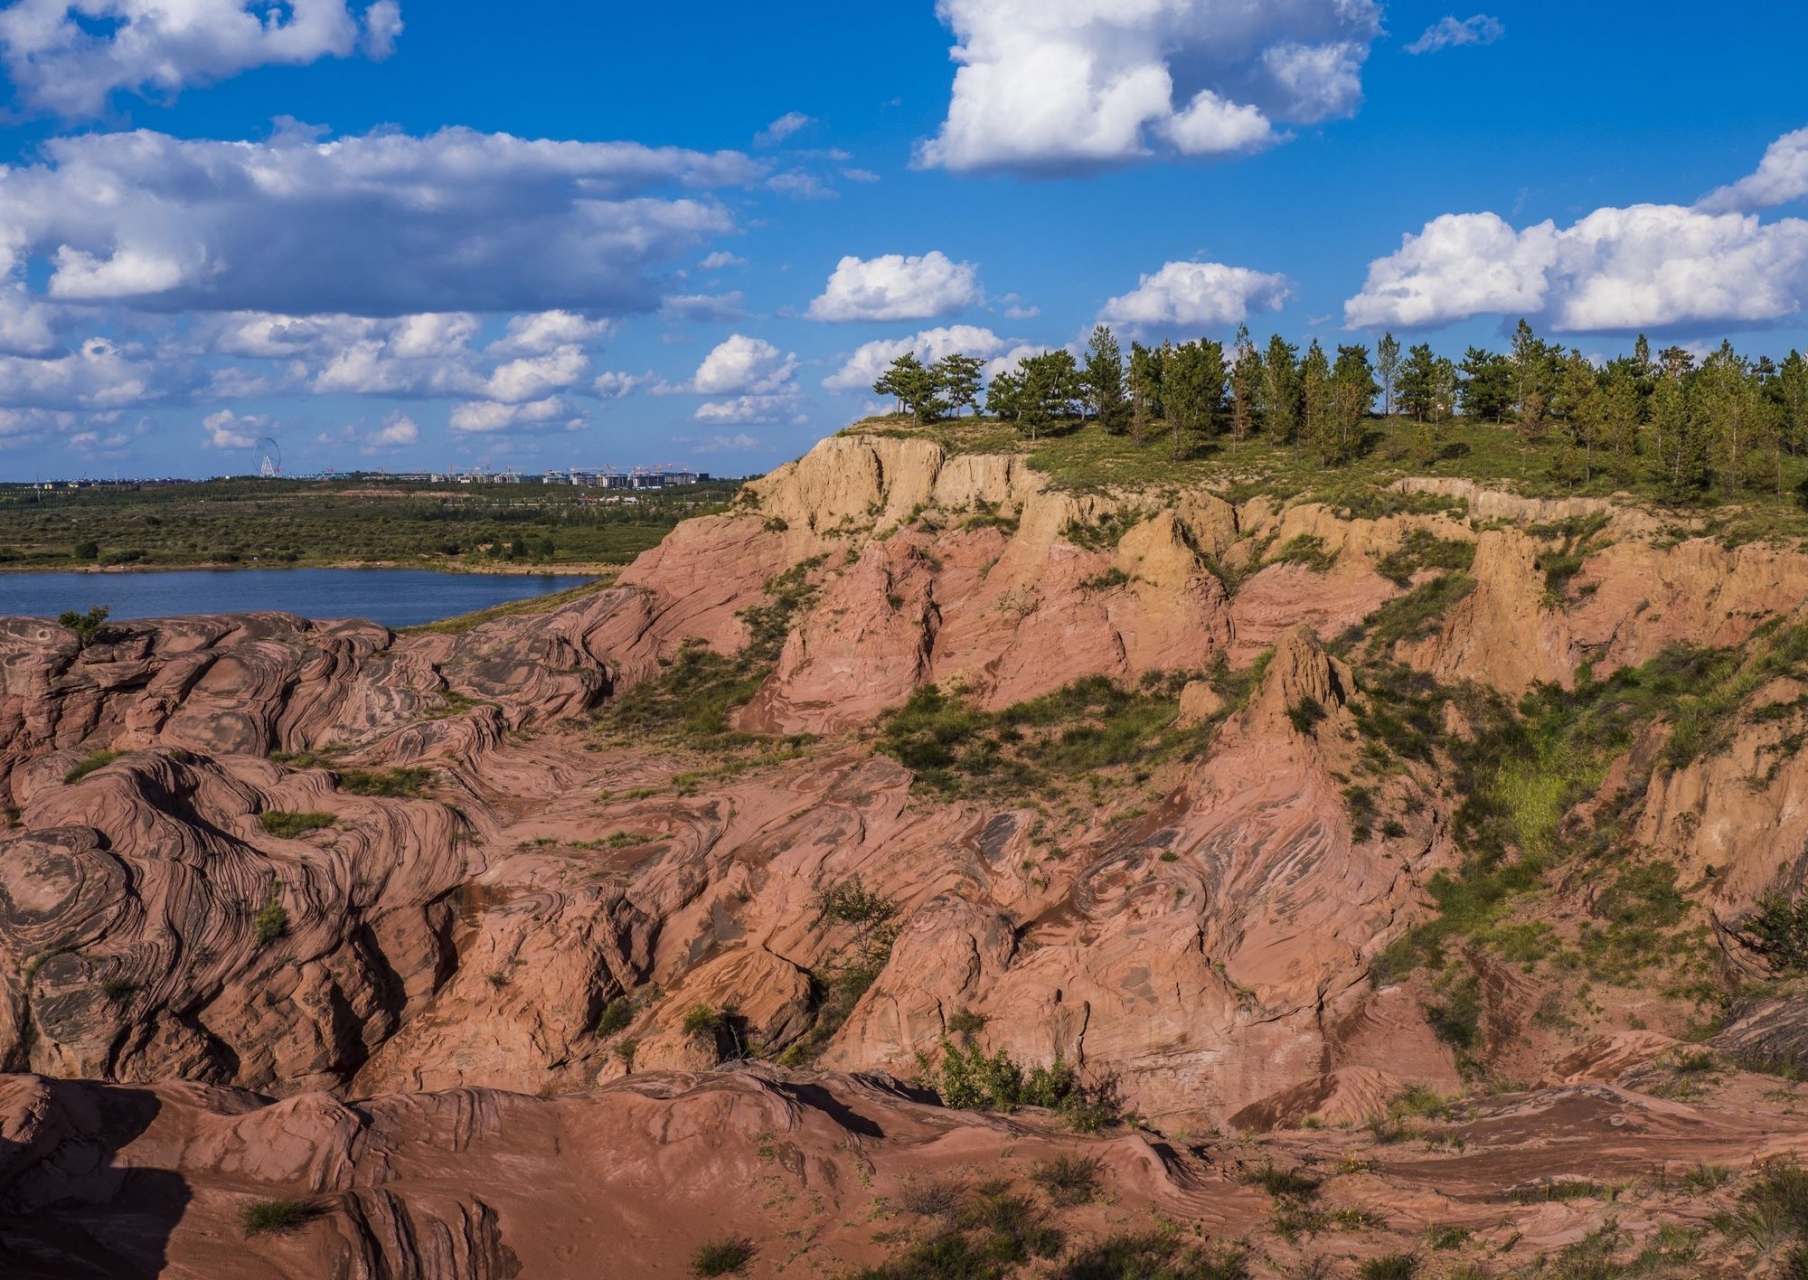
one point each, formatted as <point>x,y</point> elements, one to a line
<point>295,522</point>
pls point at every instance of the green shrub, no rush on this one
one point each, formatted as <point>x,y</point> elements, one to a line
<point>1285,1183</point>
<point>276,1217</point>
<point>1392,1266</point>
<point>616,1015</point>
<point>1307,549</point>
<point>702,1022</point>
<point>270,922</point>
<point>290,825</point>
<point>728,1256</point>
<point>85,625</point>
<point>1068,1180</point>
<point>1423,549</point>
<point>1778,931</point>
<point>88,764</point>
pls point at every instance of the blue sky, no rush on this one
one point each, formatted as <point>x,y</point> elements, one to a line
<point>393,234</point>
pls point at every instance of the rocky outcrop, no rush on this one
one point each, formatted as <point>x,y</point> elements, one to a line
<point>213,872</point>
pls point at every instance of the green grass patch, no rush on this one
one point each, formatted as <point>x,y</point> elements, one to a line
<point>392,784</point>
<point>288,825</point>
<point>88,764</point>
<point>278,1217</point>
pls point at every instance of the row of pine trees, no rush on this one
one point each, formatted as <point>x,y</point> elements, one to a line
<point>1728,420</point>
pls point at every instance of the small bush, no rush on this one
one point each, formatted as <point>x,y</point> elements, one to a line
<point>1068,1180</point>
<point>702,1022</point>
<point>287,825</point>
<point>724,1257</point>
<point>1285,1183</point>
<point>276,1217</point>
<point>88,764</point>
<point>1778,931</point>
<point>85,625</point>
<point>270,922</point>
<point>1307,549</point>
<point>1391,1266</point>
<point>616,1015</point>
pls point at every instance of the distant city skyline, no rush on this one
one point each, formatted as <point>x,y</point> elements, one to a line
<point>385,233</point>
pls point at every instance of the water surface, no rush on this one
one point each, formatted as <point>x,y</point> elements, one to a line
<point>393,597</point>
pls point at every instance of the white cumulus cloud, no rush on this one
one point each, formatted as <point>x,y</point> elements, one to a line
<point>398,431</point>
<point>1782,176</point>
<point>69,57</point>
<point>1048,88</point>
<point>740,365</point>
<point>228,430</point>
<point>1646,266</point>
<point>1448,33</point>
<point>544,331</point>
<point>1196,295</point>
<point>484,417</point>
<point>896,287</point>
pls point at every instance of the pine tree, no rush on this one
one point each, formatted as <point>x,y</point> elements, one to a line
<point>1145,390</point>
<point>1004,397</point>
<point>1104,380</point>
<point>1485,389</point>
<point>1417,387</point>
<point>1387,364</point>
<point>1278,391</point>
<point>914,387</point>
<point>1315,396</point>
<point>1193,392</point>
<point>1051,390</point>
<point>1353,398</point>
<point>957,380</point>
<point>1245,383</point>
<point>1531,380</point>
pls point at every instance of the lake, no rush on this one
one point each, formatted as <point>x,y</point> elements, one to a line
<point>393,597</point>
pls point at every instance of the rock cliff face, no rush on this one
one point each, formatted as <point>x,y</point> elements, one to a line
<point>298,899</point>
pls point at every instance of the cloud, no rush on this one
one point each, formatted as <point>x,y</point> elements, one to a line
<point>98,375</point>
<point>783,127</point>
<point>228,430</point>
<point>745,366</point>
<point>536,377</point>
<point>740,442</point>
<point>484,417</point>
<point>1447,33</point>
<point>871,359</point>
<point>757,378</point>
<point>1196,295</point>
<point>1782,176</point>
<point>775,408</point>
<point>378,225</point>
<point>860,175</point>
<point>721,260</point>
<point>700,308</point>
<point>544,331</point>
<point>895,287</point>
<point>1048,89</point>
<point>613,386</point>
<point>799,185</point>
<point>1649,266</point>
<point>398,431</point>
<point>69,57</point>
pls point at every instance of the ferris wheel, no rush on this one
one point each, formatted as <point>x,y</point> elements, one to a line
<point>266,454</point>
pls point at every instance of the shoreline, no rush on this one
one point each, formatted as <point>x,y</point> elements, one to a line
<point>500,571</point>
